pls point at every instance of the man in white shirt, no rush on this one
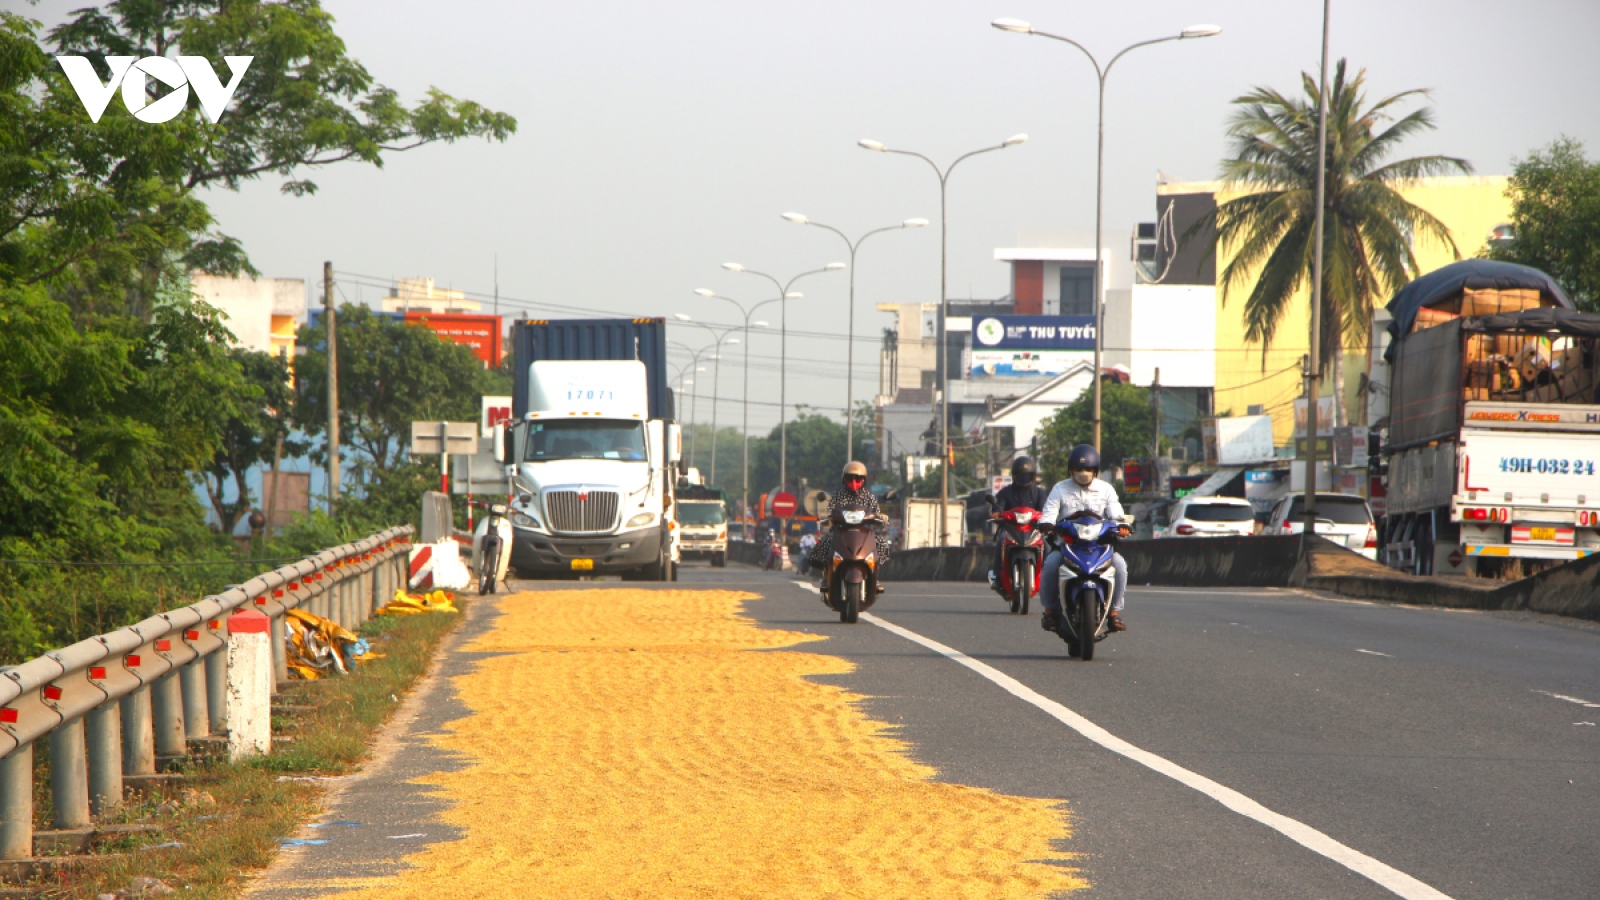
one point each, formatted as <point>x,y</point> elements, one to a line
<point>1082,490</point>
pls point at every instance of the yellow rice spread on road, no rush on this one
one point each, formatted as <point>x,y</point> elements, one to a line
<point>638,744</point>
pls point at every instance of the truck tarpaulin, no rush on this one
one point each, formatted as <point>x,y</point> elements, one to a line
<point>1425,394</point>
<point>1468,274</point>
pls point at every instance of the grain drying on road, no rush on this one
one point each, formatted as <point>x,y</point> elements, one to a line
<point>641,743</point>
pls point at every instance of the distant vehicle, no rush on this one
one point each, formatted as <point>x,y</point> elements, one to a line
<point>702,523</point>
<point>1211,517</point>
<point>1344,519</point>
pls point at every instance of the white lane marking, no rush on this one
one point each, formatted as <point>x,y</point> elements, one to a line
<point>1393,879</point>
<point>1374,653</point>
<point>1576,700</point>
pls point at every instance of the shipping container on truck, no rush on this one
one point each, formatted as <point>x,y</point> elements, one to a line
<point>585,393</point>
<point>1493,435</point>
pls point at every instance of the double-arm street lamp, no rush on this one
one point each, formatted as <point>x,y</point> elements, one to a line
<point>1018,26</point>
<point>850,352</point>
<point>745,394</point>
<point>723,336</point>
<point>696,358</point>
<point>942,381</point>
<point>783,363</point>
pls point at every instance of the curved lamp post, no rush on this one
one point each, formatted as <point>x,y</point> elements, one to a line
<point>850,352</point>
<point>942,381</point>
<point>694,400</point>
<point>783,364</point>
<point>745,394</point>
<point>1017,26</point>
<point>722,338</point>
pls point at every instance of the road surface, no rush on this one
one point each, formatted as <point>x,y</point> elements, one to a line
<point>1235,743</point>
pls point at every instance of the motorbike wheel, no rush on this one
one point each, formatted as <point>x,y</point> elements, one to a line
<point>491,554</point>
<point>1021,587</point>
<point>851,609</point>
<point>1088,623</point>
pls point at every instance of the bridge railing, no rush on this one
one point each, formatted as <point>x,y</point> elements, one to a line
<point>114,707</point>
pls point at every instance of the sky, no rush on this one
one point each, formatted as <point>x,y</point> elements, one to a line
<point>656,141</point>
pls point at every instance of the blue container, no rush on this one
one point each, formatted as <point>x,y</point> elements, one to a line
<point>534,340</point>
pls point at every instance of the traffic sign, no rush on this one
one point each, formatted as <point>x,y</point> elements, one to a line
<point>783,504</point>
<point>1455,559</point>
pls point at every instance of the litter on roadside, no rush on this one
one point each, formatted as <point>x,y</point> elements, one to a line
<point>300,842</point>
<point>409,604</point>
<point>318,647</point>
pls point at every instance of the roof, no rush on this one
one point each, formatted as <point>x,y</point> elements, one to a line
<point>1032,395</point>
<point>1047,254</point>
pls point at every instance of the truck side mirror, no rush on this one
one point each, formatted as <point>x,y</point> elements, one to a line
<point>500,443</point>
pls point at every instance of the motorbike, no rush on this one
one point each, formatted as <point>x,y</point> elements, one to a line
<point>774,558</point>
<point>1088,544</point>
<point>1021,553</point>
<point>850,579</point>
<point>491,547</point>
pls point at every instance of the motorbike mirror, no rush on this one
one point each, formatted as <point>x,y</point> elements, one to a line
<point>500,443</point>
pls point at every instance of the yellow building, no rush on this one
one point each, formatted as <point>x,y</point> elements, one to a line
<point>1246,377</point>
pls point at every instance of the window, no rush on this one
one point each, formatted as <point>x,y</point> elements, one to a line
<point>1338,509</point>
<point>692,512</point>
<point>1077,289</point>
<point>592,439</point>
<point>1218,512</point>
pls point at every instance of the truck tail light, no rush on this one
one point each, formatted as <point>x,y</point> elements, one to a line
<point>1185,529</point>
<point>1372,537</point>
<point>1476,515</point>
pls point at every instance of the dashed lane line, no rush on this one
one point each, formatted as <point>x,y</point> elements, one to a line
<point>1387,876</point>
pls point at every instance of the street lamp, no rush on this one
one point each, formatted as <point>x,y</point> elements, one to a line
<point>783,363</point>
<point>850,352</point>
<point>745,394</point>
<point>1017,26</point>
<point>722,338</point>
<point>694,403</point>
<point>942,381</point>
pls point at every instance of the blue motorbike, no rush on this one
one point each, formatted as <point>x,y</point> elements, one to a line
<point>1088,544</point>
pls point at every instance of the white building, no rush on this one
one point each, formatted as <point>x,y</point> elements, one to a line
<point>1024,415</point>
<point>419,295</point>
<point>262,313</point>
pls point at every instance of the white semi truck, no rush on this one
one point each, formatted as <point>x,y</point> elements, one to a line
<point>592,452</point>
<point>1493,435</point>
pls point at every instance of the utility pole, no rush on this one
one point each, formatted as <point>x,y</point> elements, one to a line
<point>1155,439</point>
<point>331,317</point>
<point>1314,358</point>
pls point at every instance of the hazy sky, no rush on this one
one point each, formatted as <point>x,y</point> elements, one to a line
<point>658,140</point>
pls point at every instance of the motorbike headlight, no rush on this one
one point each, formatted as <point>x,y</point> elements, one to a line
<point>1088,531</point>
<point>1023,516</point>
<point>523,520</point>
<point>641,520</point>
<point>854,517</point>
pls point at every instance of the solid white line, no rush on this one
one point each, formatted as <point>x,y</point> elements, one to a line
<point>1374,653</point>
<point>1391,878</point>
<point>1576,700</point>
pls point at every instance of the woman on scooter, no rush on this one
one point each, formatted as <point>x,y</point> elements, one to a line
<point>853,492</point>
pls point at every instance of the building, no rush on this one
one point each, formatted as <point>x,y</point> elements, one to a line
<point>419,295</point>
<point>262,313</point>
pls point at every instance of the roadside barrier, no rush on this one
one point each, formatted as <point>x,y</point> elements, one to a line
<point>117,707</point>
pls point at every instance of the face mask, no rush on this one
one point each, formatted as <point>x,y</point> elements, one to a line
<point>1083,477</point>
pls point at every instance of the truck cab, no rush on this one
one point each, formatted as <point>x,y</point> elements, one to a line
<point>702,517</point>
<point>590,474</point>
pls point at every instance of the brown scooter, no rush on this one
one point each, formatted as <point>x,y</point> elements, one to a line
<point>850,579</point>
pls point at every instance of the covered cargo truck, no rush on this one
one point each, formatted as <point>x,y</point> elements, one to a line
<point>593,449</point>
<point>1493,437</point>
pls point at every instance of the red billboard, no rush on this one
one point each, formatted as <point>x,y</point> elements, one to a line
<point>481,333</point>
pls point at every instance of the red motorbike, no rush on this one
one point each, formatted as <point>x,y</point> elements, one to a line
<point>1021,556</point>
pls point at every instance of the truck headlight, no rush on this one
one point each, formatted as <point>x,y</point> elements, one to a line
<point>523,520</point>
<point>641,520</point>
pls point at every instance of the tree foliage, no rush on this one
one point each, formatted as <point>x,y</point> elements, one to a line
<point>816,451</point>
<point>1369,227</point>
<point>1126,424</point>
<point>1555,214</point>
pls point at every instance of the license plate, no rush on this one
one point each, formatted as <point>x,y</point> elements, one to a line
<point>582,565</point>
<point>1541,534</point>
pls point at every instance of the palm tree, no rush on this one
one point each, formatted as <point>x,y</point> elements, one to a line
<point>1369,228</point>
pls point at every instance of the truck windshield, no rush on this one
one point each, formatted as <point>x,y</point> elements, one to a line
<point>591,439</point>
<point>700,513</point>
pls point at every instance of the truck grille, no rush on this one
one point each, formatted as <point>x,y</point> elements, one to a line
<point>588,512</point>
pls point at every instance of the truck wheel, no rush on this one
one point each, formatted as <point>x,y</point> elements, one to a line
<point>720,561</point>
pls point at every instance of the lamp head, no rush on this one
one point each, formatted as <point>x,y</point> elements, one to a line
<point>760,325</point>
<point>833,267</point>
<point>1200,31</point>
<point>913,223</point>
<point>733,267</point>
<point>705,292</point>
<point>731,340</point>
<point>793,295</point>
<point>1014,140</point>
<point>681,317</point>
<point>796,218</point>
<point>1013,25</point>
<point>871,144</point>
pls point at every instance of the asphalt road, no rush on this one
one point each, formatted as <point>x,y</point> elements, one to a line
<point>1454,747</point>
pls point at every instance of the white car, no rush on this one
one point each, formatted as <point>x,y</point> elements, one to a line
<point>1344,519</point>
<point>1212,517</point>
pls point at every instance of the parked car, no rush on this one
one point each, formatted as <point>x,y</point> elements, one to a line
<point>1211,517</point>
<point>1344,519</point>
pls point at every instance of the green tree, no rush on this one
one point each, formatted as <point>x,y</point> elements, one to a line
<point>816,452</point>
<point>1369,227</point>
<point>1555,214</point>
<point>262,400</point>
<point>1127,422</point>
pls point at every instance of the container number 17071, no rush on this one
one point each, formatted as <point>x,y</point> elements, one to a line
<point>1524,465</point>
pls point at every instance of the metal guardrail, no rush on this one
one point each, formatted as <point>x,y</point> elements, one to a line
<point>112,706</point>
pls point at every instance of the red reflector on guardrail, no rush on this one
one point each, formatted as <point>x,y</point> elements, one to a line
<point>214,624</point>
<point>131,662</point>
<point>51,692</point>
<point>97,672</point>
<point>192,634</point>
<point>277,593</point>
<point>163,646</point>
<point>261,601</point>
<point>8,715</point>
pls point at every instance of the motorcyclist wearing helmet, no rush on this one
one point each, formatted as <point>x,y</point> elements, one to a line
<point>1083,490</point>
<point>852,492</point>
<point>1024,490</point>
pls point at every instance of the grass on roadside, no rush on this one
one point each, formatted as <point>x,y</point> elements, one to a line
<point>228,818</point>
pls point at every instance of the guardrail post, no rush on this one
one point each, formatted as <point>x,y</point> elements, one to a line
<point>138,734</point>
<point>103,733</point>
<point>16,804</point>
<point>166,700</point>
<point>216,689</point>
<point>280,653</point>
<point>196,700</point>
<point>69,775</point>
<point>249,685</point>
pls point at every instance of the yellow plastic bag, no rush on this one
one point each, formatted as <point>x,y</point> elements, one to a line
<point>407,604</point>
